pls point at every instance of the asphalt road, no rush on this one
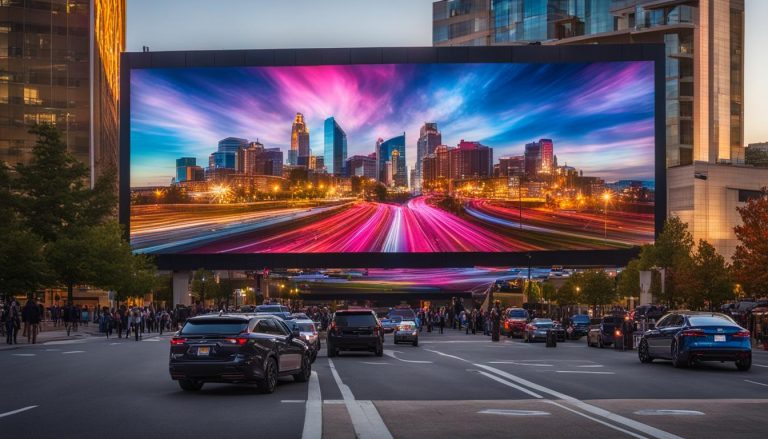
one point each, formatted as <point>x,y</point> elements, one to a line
<point>452,385</point>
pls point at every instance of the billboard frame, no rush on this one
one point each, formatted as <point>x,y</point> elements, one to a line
<point>396,55</point>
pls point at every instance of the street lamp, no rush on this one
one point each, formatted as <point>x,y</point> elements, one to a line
<point>606,199</point>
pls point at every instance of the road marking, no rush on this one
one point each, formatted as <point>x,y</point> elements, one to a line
<point>60,342</point>
<point>114,344</point>
<point>374,363</point>
<point>514,412</point>
<point>507,383</point>
<point>591,365</point>
<point>759,365</point>
<point>389,353</point>
<point>639,426</point>
<point>599,421</point>
<point>52,350</point>
<point>586,372</point>
<point>23,355</point>
<point>313,417</point>
<point>521,364</point>
<point>293,401</point>
<point>2,415</point>
<point>448,355</point>
<point>664,412</point>
<point>365,418</point>
<point>755,382</point>
<point>73,352</point>
<point>151,339</point>
<point>333,401</point>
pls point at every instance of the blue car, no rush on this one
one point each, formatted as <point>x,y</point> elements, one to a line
<point>579,326</point>
<point>687,337</point>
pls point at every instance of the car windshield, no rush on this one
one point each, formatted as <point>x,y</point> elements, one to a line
<point>396,319</point>
<point>401,313</point>
<point>710,320</point>
<point>306,327</point>
<point>581,318</point>
<point>271,308</point>
<point>361,319</point>
<point>407,326</point>
<point>543,324</point>
<point>517,313</point>
<point>217,326</point>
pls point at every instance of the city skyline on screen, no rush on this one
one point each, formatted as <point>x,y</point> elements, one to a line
<point>600,115</point>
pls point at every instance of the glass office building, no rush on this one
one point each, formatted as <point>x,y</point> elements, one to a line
<point>335,150</point>
<point>60,64</point>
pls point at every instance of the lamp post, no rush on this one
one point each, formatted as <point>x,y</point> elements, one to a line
<point>606,199</point>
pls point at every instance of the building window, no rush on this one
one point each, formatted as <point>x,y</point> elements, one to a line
<point>746,195</point>
<point>32,96</point>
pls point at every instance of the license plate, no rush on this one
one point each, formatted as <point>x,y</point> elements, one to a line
<point>203,351</point>
<point>719,338</point>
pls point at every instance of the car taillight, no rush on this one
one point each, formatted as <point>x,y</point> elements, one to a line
<point>692,333</point>
<point>530,327</point>
<point>177,341</point>
<point>741,334</point>
<point>332,327</point>
<point>506,325</point>
<point>376,330</point>
<point>617,333</point>
<point>239,340</point>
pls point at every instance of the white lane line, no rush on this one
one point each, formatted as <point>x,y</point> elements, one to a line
<point>521,364</point>
<point>334,401</point>
<point>293,401</point>
<point>23,355</point>
<point>375,363</point>
<point>759,365</point>
<point>507,383</point>
<point>2,415</point>
<point>114,344</point>
<point>663,412</point>
<point>60,342</point>
<point>755,382</point>
<point>389,353</point>
<point>592,365</point>
<point>599,421</point>
<point>365,418</point>
<point>448,355</point>
<point>592,372</point>
<point>514,412</point>
<point>73,352</point>
<point>151,339</point>
<point>639,426</point>
<point>313,416</point>
<point>52,350</point>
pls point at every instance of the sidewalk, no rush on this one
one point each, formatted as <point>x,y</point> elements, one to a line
<point>50,333</point>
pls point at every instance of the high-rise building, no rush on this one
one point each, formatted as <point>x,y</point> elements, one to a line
<point>299,142</point>
<point>232,144</point>
<point>257,160</point>
<point>510,166</point>
<point>60,64</point>
<point>429,138</point>
<point>532,159</point>
<point>181,167</point>
<point>335,147</point>
<point>547,156</point>
<point>222,160</point>
<point>317,163</point>
<point>362,166</point>
<point>704,82</point>
<point>467,160</point>
<point>393,150</point>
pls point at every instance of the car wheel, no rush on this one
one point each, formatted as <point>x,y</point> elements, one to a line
<point>269,383</point>
<point>600,341</point>
<point>306,370</point>
<point>313,357</point>
<point>379,350</point>
<point>744,364</point>
<point>190,385</point>
<point>416,342</point>
<point>642,352</point>
<point>331,350</point>
<point>677,360</point>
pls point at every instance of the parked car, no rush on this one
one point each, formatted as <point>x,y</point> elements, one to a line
<point>579,326</point>
<point>308,333</point>
<point>390,325</point>
<point>537,330</point>
<point>232,348</point>
<point>355,330</point>
<point>515,320</point>
<point>649,312</point>
<point>407,332</point>
<point>404,313</point>
<point>687,337</point>
<point>602,335</point>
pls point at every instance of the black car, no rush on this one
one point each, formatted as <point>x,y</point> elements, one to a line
<point>355,330</point>
<point>603,334</point>
<point>579,326</point>
<point>275,310</point>
<point>237,349</point>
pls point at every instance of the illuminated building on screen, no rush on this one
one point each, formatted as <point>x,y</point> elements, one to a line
<point>362,166</point>
<point>429,139</point>
<point>446,164</point>
<point>393,151</point>
<point>61,65</point>
<point>299,153</point>
<point>335,147</point>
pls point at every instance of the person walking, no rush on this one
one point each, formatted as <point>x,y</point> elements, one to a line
<point>12,322</point>
<point>32,311</point>
<point>496,321</point>
<point>441,321</point>
<point>136,324</point>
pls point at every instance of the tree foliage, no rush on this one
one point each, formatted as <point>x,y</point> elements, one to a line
<point>597,288</point>
<point>204,284</point>
<point>671,252</point>
<point>711,279</point>
<point>750,261</point>
<point>628,281</point>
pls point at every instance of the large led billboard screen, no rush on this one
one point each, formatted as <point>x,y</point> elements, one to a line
<point>392,158</point>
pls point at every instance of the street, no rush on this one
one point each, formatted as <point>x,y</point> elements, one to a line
<point>452,384</point>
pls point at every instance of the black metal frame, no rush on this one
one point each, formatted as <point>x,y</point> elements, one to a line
<point>394,55</point>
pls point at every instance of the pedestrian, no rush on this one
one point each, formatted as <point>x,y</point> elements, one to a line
<point>137,323</point>
<point>105,322</point>
<point>441,320</point>
<point>12,322</point>
<point>496,321</point>
<point>32,312</point>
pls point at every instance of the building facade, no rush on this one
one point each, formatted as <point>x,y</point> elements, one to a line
<point>391,162</point>
<point>335,147</point>
<point>449,164</point>
<point>362,166</point>
<point>429,139</point>
<point>299,152</point>
<point>60,65</point>
<point>704,71</point>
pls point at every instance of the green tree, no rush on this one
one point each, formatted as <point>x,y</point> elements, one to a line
<point>628,281</point>
<point>756,157</point>
<point>570,292</point>
<point>381,192</point>
<point>204,284</point>
<point>711,278</point>
<point>672,252</point>
<point>597,288</point>
<point>750,261</point>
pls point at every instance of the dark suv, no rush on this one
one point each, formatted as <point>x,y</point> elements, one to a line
<point>237,349</point>
<point>355,330</point>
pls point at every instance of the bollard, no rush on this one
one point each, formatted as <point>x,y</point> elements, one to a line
<point>551,339</point>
